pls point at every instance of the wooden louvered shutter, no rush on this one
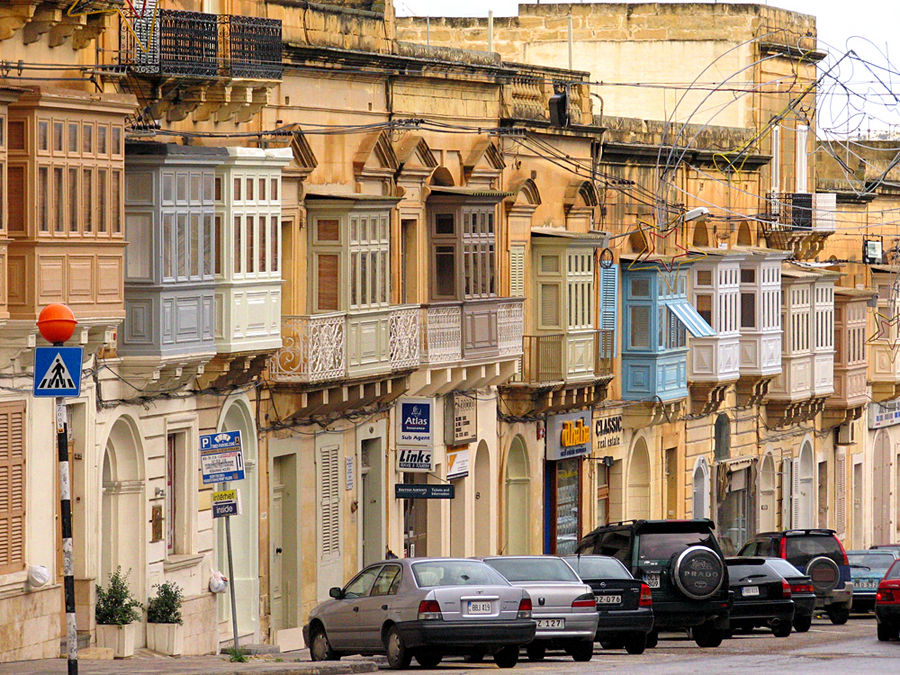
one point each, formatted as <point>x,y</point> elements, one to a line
<point>549,306</point>
<point>840,495</point>
<point>12,487</point>
<point>327,282</point>
<point>330,502</point>
<point>795,495</point>
<point>517,271</point>
<point>609,302</point>
<point>786,483</point>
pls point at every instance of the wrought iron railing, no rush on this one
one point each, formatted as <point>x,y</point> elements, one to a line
<point>788,212</point>
<point>404,338</point>
<point>172,42</point>
<point>314,349</point>
<point>442,333</point>
<point>254,47</point>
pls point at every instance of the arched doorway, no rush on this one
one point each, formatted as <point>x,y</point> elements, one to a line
<point>744,237</point>
<point>804,496</point>
<point>484,544</point>
<point>881,488</point>
<point>121,538</point>
<point>517,500</point>
<point>701,489</point>
<point>638,504</point>
<point>244,528</point>
<point>767,504</point>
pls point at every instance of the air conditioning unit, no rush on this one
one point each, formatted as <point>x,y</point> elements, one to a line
<point>845,433</point>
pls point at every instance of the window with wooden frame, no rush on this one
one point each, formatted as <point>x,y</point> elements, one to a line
<point>444,238</point>
<point>12,487</point>
<point>580,289</point>
<point>327,262</point>
<point>479,259</point>
<point>370,251</point>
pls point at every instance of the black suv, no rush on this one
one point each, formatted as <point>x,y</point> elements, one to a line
<point>681,562</point>
<point>821,556</point>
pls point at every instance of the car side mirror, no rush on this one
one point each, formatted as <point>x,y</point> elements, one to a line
<point>336,592</point>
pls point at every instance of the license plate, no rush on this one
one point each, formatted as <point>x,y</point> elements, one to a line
<point>609,599</point>
<point>652,579</point>
<point>751,590</point>
<point>479,606</point>
<point>552,624</point>
<point>866,584</point>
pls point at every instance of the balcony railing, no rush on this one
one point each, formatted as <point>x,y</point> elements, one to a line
<point>195,44</point>
<point>801,212</point>
<point>442,333</point>
<point>445,333</point>
<point>318,348</point>
<point>561,357</point>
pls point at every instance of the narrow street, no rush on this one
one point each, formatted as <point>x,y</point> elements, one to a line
<point>852,648</point>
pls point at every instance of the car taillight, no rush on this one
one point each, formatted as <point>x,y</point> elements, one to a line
<point>843,552</point>
<point>802,588</point>
<point>785,589</point>
<point>586,600</point>
<point>524,608</point>
<point>783,549</point>
<point>884,595</point>
<point>646,596</point>
<point>429,609</point>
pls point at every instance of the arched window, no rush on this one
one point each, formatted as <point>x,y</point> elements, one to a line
<point>722,438</point>
<point>701,489</point>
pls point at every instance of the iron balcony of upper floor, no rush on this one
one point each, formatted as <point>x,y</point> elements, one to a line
<point>799,221</point>
<point>373,343</point>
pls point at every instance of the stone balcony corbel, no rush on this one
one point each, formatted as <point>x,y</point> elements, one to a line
<point>217,95</point>
<point>42,21</point>
<point>14,16</point>
<point>65,29</point>
<point>259,99</point>
<point>236,97</point>
<point>192,98</point>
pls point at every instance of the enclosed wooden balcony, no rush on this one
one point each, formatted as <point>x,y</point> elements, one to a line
<point>567,358</point>
<point>850,364</point>
<point>213,67</point>
<point>346,346</point>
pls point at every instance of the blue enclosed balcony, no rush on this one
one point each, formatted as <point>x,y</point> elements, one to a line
<point>656,320</point>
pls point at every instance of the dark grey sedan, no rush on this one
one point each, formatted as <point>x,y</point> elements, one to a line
<point>423,607</point>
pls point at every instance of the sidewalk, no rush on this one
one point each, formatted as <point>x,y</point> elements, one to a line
<point>145,662</point>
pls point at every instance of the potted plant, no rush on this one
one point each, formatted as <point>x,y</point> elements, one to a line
<point>117,612</point>
<point>165,632</point>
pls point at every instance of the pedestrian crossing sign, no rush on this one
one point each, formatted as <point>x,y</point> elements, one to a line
<point>57,371</point>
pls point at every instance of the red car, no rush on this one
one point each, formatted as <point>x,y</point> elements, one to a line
<point>887,604</point>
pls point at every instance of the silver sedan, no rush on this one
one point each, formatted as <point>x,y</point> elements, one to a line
<point>423,607</point>
<point>564,606</point>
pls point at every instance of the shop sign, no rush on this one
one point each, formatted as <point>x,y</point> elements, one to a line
<point>885,414</point>
<point>226,503</point>
<point>413,491</point>
<point>460,419</point>
<point>569,435</point>
<point>457,462</point>
<point>415,459</point>
<point>415,419</point>
<point>608,433</point>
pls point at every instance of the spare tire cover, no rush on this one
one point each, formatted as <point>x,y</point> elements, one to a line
<point>698,572</point>
<point>824,573</point>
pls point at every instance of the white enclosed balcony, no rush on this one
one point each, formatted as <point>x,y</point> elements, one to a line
<point>850,386</point>
<point>760,313</point>
<point>341,346</point>
<point>884,366</point>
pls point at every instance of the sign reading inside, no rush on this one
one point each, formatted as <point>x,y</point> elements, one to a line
<point>414,422</point>
<point>57,371</point>
<point>226,503</point>
<point>460,420</point>
<point>457,462</point>
<point>608,432</point>
<point>568,435</point>
<point>415,459</point>
<point>221,457</point>
<point>412,491</point>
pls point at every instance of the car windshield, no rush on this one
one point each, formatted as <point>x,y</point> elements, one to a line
<point>801,549</point>
<point>533,569</point>
<point>740,572</point>
<point>784,568</point>
<point>894,572</point>
<point>455,573</point>
<point>874,561</point>
<point>663,545</point>
<point>598,567</point>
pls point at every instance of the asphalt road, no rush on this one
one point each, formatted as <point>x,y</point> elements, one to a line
<point>851,648</point>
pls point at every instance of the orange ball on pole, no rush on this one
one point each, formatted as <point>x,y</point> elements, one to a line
<point>56,322</point>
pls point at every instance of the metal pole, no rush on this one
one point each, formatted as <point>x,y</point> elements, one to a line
<point>234,624</point>
<point>65,503</point>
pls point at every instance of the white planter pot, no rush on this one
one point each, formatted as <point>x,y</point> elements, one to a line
<point>165,638</point>
<point>118,638</point>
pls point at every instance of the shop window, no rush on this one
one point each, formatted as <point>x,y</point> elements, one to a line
<point>722,450</point>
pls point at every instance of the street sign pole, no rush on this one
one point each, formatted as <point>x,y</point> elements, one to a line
<point>234,623</point>
<point>65,509</point>
<point>54,377</point>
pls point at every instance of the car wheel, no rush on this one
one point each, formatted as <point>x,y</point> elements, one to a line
<point>319,647</point>
<point>536,651</point>
<point>652,639</point>
<point>428,659</point>
<point>507,657</point>
<point>838,614</point>
<point>802,623</point>
<point>581,651</point>
<point>635,643</point>
<point>474,657</point>
<point>398,656</point>
<point>782,629</point>
<point>612,643</point>
<point>707,635</point>
<point>886,632</point>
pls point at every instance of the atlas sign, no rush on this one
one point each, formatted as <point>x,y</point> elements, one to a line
<point>415,422</point>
